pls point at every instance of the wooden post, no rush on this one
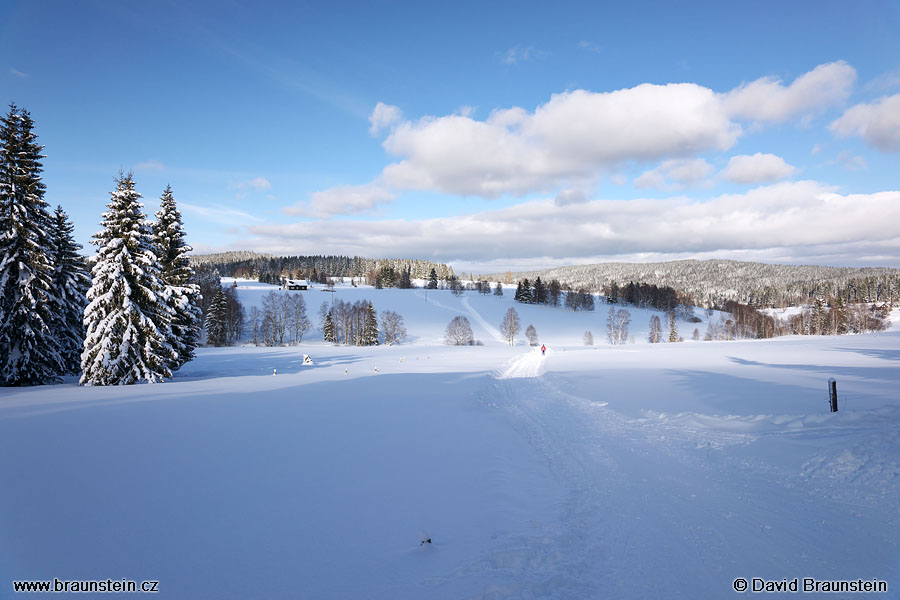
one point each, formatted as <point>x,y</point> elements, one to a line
<point>832,394</point>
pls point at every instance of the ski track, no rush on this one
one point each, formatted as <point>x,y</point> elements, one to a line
<point>493,331</point>
<point>652,491</point>
<point>526,366</point>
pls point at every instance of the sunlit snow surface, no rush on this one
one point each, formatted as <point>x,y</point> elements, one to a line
<point>639,471</point>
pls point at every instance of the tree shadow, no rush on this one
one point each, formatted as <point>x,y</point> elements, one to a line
<point>219,365</point>
<point>868,373</point>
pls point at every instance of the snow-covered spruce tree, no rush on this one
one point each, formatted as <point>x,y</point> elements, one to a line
<point>71,281</point>
<point>328,329</point>
<point>29,350</point>
<point>673,327</point>
<point>127,318</point>
<point>182,293</point>
<point>216,325</point>
<point>370,330</point>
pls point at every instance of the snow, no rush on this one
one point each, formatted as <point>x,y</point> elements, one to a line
<point>635,471</point>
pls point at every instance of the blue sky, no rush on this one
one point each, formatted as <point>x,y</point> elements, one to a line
<point>488,135</point>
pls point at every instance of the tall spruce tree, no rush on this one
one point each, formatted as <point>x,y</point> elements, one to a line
<point>71,281</point>
<point>216,320</point>
<point>182,293</point>
<point>29,350</point>
<point>127,318</point>
<point>370,331</point>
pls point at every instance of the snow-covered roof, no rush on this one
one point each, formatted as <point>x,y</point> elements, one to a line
<point>296,282</point>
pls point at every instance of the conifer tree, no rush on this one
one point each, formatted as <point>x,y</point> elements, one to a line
<point>126,318</point>
<point>433,280</point>
<point>673,328</point>
<point>71,282</point>
<point>328,328</point>
<point>182,293</point>
<point>498,290</point>
<point>539,296</point>
<point>29,350</point>
<point>370,332</point>
<point>216,320</point>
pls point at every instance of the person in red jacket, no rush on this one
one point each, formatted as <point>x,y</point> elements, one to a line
<point>543,349</point>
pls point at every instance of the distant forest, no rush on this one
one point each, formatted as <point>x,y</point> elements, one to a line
<point>272,269</point>
<point>713,283</point>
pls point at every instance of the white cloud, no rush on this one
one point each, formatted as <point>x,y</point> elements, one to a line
<point>150,165</point>
<point>884,82</point>
<point>572,138</point>
<point>221,214</point>
<point>878,123</point>
<point>257,183</point>
<point>341,200</point>
<point>518,54</point>
<point>18,73</point>
<point>757,168</point>
<point>382,117</point>
<point>591,46</point>
<point>795,221</point>
<point>768,99</point>
<point>570,196</point>
<point>674,174</point>
<point>849,162</point>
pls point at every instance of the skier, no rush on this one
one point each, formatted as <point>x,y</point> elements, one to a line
<point>543,349</point>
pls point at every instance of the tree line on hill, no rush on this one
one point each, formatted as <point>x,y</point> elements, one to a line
<point>711,283</point>
<point>383,272</point>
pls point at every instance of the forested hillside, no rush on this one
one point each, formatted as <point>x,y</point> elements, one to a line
<point>269,269</point>
<point>711,283</point>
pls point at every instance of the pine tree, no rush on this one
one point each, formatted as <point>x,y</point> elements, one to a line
<point>127,318</point>
<point>432,280</point>
<point>370,332</point>
<point>29,309</point>
<point>328,328</point>
<point>539,296</point>
<point>182,293</point>
<point>498,290</point>
<point>673,327</point>
<point>216,320</point>
<point>71,282</point>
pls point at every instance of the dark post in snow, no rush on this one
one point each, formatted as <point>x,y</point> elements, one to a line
<point>832,394</point>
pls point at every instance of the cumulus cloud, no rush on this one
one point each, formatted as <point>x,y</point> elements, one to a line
<point>570,196</point>
<point>795,220</point>
<point>341,200</point>
<point>878,123</point>
<point>571,138</point>
<point>769,100</point>
<point>674,174</point>
<point>382,117</point>
<point>757,168</point>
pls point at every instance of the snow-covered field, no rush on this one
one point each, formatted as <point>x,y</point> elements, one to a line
<point>638,471</point>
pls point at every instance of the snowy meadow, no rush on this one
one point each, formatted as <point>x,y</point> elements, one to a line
<point>632,471</point>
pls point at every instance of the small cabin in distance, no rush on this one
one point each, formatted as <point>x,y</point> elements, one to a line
<point>295,284</point>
